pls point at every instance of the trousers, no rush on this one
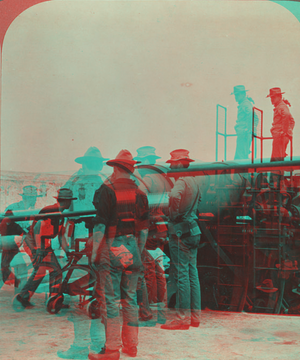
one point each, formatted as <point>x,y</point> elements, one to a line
<point>184,266</point>
<point>243,143</point>
<point>115,287</point>
<point>39,272</point>
<point>279,146</point>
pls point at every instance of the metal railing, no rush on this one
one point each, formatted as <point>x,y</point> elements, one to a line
<point>261,138</point>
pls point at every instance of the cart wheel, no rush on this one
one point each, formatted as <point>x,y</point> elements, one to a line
<point>93,309</point>
<point>54,304</point>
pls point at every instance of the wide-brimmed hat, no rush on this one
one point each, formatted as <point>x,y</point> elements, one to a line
<point>267,286</point>
<point>65,194</point>
<point>238,88</point>
<point>30,190</point>
<point>124,160</point>
<point>275,91</point>
<point>179,154</point>
<point>146,151</point>
<point>92,153</point>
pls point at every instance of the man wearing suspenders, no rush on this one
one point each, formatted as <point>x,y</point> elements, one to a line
<point>184,241</point>
<point>119,238</point>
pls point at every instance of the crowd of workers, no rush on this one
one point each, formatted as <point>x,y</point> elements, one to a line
<point>125,237</point>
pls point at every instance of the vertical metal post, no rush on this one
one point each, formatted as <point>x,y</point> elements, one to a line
<point>252,154</point>
<point>225,136</point>
<point>261,137</point>
<point>291,154</point>
<point>217,132</point>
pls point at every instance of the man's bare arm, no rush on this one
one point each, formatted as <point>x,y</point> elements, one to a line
<point>142,239</point>
<point>98,235</point>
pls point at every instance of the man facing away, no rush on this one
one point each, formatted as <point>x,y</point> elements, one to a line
<point>184,240</point>
<point>243,127</point>
<point>119,237</point>
<point>44,258</point>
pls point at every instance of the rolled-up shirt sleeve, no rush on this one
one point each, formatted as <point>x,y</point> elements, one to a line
<point>175,198</point>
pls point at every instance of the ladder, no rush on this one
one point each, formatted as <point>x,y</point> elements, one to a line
<point>221,129</point>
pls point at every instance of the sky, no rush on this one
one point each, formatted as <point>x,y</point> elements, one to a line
<point>124,74</point>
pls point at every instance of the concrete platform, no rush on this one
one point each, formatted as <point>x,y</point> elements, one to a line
<point>35,334</point>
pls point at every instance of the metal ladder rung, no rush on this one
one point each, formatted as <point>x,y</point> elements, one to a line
<point>259,248</point>
<point>263,307</point>
<point>231,245</point>
<point>240,266</point>
<point>266,268</point>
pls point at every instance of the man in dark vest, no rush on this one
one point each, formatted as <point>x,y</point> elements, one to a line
<point>119,237</point>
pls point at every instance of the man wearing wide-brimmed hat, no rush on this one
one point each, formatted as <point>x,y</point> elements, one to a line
<point>43,231</point>
<point>11,232</point>
<point>184,235</point>
<point>84,183</point>
<point>146,155</point>
<point>282,126</point>
<point>243,127</point>
<point>119,238</point>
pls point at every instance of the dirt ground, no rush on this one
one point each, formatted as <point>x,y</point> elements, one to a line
<point>35,334</point>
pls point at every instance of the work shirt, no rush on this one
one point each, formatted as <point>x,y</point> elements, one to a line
<point>121,206</point>
<point>184,200</point>
<point>283,122</point>
<point>244,118</point>
<point>48,228</point>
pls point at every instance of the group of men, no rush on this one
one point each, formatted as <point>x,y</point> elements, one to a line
<point>123,231</point>
<point>281,130</point>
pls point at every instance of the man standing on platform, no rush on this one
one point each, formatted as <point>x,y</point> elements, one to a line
<point>283,124</point>
<point>243,127</point>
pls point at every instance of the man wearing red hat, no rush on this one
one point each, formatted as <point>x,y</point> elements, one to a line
<point>184,241</point>
<point>120,234</point>
<point>283,124</point>
<point>42,231</point>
